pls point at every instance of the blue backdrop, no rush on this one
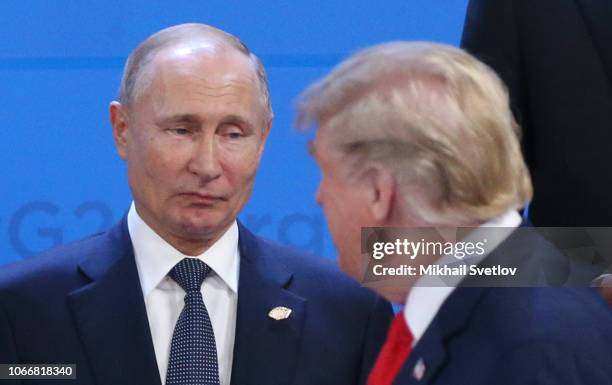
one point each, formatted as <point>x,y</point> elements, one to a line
<point>60,65</point>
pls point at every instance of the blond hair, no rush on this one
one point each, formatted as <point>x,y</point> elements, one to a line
<point>433,115</point>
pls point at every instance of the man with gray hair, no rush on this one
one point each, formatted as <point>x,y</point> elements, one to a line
<point>179,292</point>
<point>420,135</point>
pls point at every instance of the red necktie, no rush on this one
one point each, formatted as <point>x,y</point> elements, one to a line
<point>393,354</point>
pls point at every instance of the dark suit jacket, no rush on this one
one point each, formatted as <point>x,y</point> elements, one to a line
<point>516,335</point>
<point>556,58</point>
<point>83,304</point>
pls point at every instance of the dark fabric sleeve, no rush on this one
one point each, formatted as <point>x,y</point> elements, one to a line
<point>553,363</point>
<point>375,335</point>
<point>492,33</point>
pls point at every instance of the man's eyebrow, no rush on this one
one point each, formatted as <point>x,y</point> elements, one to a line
<point>194,119</point>
<point>239,120</point>
<point>180,118</point>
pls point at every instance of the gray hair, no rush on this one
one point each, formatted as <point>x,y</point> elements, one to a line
<point>436,117</point>
<point>133,82</point>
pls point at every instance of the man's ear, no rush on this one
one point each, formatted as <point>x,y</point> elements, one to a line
<point>382,193</point>
<point>118,118</point>
<point>267,129</point>
<point>264,136</point>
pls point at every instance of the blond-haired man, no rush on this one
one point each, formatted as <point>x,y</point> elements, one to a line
<point>420,134</point>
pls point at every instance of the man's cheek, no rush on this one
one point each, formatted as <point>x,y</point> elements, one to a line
<point>245,173</point>
<point>162,164</point>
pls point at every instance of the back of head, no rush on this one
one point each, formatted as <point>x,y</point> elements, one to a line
<point>136,77</point>
<point>436,117</point>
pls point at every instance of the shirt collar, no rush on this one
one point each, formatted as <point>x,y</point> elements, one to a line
<point>155,257</point>
<point>423,302</point>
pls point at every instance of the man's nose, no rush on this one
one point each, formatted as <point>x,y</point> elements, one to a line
<point>204,161</point>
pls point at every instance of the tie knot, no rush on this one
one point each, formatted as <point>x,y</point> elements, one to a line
<point>189,274</point>
<point>399,330</point>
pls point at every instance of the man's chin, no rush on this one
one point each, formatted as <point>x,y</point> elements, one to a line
<point>203,228</point>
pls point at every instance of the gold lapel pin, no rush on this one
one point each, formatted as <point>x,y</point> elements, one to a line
<point>279,313</point>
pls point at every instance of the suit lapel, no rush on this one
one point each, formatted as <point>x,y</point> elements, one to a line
<point>265,350</point>
<point>598,15</point>
<point>429,354</point>
<point>425,360</point>
<point>110,314</point>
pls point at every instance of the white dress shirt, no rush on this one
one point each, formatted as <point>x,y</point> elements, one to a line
<point>423,302</point>
<point>164,298</point>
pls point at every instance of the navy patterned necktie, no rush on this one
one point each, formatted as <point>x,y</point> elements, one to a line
<point>193,353</point>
